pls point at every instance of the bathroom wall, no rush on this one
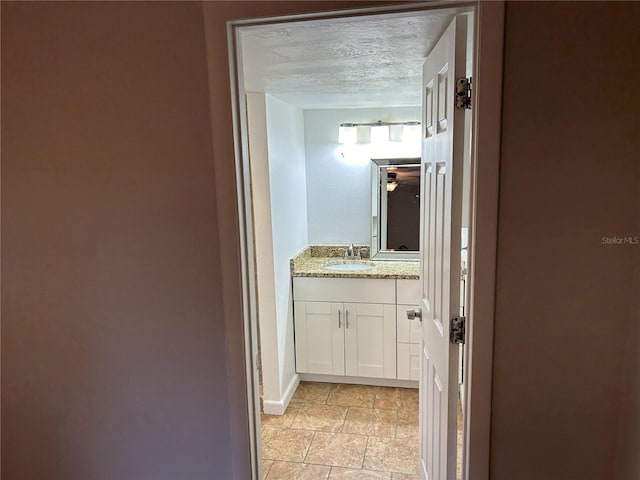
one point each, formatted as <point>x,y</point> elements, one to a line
<point>338,176</point>
<point>278,183</point>
<point>287,176</point>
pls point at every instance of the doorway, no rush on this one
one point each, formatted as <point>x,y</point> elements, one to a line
<point>250,221</point>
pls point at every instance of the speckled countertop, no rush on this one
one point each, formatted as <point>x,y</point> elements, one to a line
<point>311,262</point>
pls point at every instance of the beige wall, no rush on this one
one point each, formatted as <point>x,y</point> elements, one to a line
<point>118,240</point>
<point>113,346</point>
<point>566,304</point>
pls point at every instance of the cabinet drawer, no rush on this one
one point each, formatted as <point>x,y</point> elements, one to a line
<point>408,291</point>
<point>356,290</point>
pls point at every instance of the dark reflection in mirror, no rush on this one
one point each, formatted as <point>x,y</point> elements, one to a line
<point>403,208</point>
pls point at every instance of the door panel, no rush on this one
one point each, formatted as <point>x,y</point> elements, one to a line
<point>319,338</point>
<point>442,157</point>
<point>370,340</point>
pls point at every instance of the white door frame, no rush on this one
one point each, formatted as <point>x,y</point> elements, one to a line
<point>487,98</point>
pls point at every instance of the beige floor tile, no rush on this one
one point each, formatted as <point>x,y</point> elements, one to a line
<point>391,455</point>
<point>295,403</point>
<point>397,398</point>
<point>268,434</point>
<point>337,449</point>
<point>266,466</point>
<point>297,471</point>
<point>334,432</point>
<point>312,392</point>
<point>339,473</point>
<point>323,418</point>
<point>371,421</point>
<point>280,421</point>
<point>404,476</point>
<point>352,395</point>
<point>285,444</point>
<point>408,424</point>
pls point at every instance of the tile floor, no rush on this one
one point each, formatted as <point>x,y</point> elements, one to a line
<point>338,431</point>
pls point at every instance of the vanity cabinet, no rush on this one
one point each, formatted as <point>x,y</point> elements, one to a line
<point>357,327</point>
<point>345,326</point>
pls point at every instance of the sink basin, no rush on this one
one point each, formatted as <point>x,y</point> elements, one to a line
<point>349,267</point>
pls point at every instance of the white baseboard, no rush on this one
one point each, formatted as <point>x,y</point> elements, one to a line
<point>278,407</point>
<point>291,389</point>
<point>382,382</point>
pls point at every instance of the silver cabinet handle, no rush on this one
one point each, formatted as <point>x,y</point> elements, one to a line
<point>339,320</point>
<point>346,318</point>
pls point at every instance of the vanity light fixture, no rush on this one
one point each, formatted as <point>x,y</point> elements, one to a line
<point>348,134</point>
<point>411,133</point>
<point>380,134</point>
<point>379,131</point>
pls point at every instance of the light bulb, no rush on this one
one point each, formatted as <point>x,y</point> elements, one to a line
<point>348,135</point>
<point>411,134</point>
<point>380,134</point>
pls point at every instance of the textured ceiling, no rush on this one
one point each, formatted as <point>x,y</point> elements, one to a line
<point>355,62</point>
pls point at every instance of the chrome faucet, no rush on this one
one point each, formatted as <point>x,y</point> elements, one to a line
<point>350,254</point>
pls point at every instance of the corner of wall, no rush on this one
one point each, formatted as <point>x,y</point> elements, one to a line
<point>288,206</point>
<point>278,407</point>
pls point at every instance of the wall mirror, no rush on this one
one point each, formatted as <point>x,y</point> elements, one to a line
<point>395,201</point>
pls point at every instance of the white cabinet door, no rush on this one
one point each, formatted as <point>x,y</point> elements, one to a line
<point>319,330</point>
<point>370,340</point>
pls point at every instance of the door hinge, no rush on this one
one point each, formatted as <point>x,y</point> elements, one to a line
<point>463,93</point>
<point>457,330</point>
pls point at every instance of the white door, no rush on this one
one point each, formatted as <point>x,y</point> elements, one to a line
<point>370,340</point>
<point>442,154</point>
<point>319,329</point>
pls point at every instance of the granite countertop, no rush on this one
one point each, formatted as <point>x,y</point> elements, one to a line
<point>311,262</point>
